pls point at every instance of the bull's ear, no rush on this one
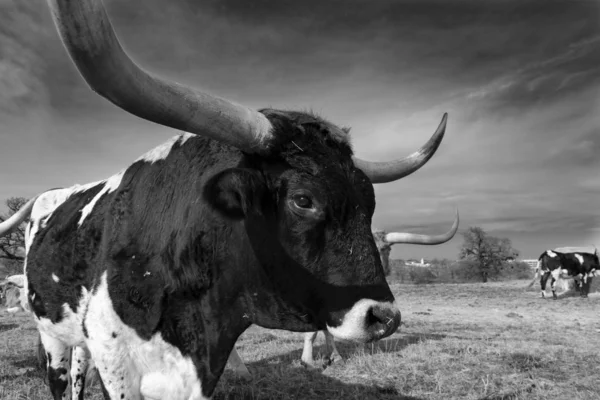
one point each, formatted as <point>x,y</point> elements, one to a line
<point>236,192</point>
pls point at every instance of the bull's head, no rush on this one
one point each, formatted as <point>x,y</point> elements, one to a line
<point>305,200</point>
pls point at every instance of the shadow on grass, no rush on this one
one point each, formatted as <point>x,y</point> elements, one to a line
<point>7,327</point>
<point>514,395</point>
<point>22,366</point>
<point>290,381</point>
<point>283,377</point>
<point>391,345</point>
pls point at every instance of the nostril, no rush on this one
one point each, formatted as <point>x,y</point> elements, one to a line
<point>383,320</point>
<point>371,317</point>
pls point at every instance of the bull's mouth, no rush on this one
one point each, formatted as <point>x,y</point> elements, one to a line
<point>368,320</point>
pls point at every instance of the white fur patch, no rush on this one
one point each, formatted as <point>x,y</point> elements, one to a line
<point>60,354</point>
<point>579,258</point>
<point>79,367</point>
<point>556,273</point>
<point>68,330</point>
<point>162,151</point>
<point>12,310</point>
<point>353,326</point>
<point>55,278</point>
<point>45,205</point>
<point>110,185</point>
<point>551,253</point>
<point>131,366</point>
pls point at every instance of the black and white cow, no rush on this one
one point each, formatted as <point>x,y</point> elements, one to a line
<point>253,217</point>
<point>384,242</point>
<point>579,266</point>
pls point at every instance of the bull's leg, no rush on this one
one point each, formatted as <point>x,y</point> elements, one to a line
<point>58,356</point>
<point>543,280</point>
<point>238,366</point>
<point>585,287</point>
<point>555,276</point>
<point>80,363</point>
<point>553,287</point>
<point>113,357</point>
<point>332,351</point>
<point>104,391</point>
<point>307,352</point>
<point>577,284</point>
<point>42,359</point>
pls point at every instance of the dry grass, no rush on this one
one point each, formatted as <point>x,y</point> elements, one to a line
<point>459,341</point>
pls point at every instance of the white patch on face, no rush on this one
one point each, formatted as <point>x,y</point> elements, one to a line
<point>12,310</point>
<point>579,258</point>
<point>110,185</point>
<point>551,253</point>
<point>55,278</point>
<point>130,365</point>
<point>162,151</point>
<point>353,326</point>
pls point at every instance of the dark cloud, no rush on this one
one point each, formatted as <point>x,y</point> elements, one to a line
<point>580,151</point>
<point>568,70</point>
<point>22,65</point>
<point>518,77</point>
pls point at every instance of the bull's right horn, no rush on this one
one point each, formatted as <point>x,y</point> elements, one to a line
<point>88,35</point>
<point>388,171</point>
<point>413,238</point>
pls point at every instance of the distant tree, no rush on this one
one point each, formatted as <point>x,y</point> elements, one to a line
<point>488,253</point>
<point>11,245</point>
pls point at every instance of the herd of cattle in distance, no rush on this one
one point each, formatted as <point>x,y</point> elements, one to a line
<point>581,266</point>
<point>250,217</point>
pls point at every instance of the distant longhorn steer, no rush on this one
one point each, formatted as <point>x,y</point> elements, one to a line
<point>578,265</point>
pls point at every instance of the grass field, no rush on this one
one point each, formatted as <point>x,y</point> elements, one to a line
<point>458,341</point>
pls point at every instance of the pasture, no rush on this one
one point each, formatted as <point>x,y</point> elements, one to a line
<point>457,341</point>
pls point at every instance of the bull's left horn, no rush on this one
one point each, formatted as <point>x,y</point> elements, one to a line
<point>388,171</point>
<point>413,238</point>
<point>90,40</point>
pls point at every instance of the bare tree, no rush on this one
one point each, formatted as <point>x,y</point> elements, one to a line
<point>488,253</point>
<point>11,245</point>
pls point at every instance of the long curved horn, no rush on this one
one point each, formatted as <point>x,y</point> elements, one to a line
<point>413,238</point>
<point>15,220</point>
<point>388,171</point>
<point>90,40</point>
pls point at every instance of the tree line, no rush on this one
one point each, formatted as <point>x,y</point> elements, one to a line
<point>483,256</point>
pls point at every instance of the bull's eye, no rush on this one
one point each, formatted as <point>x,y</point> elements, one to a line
<point>302,201</point>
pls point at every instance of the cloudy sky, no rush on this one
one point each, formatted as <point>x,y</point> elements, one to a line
<point>520,80</point>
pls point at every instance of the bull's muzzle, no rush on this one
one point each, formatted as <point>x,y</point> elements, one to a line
<point>368,320</point>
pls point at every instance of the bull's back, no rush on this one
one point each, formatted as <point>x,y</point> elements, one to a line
<point>59,250</point>
<point>76,234</point>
